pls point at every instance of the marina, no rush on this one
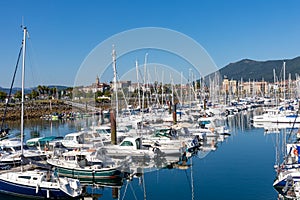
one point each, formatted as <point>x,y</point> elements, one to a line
<point>149,114</point>
<point>240,167</point>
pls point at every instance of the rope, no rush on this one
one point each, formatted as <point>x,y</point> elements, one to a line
<point>133,192</point>
<point>10,90</point>
<point>187,177</point>
<point>294,122</point>
<point>125,190</point>
<point>192,179</point>
<point>144,186</point>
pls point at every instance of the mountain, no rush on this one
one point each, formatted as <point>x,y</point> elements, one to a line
<point>28,90</point>
<point>260,70</point>
<point>14,90</point>
<point>58,87</point>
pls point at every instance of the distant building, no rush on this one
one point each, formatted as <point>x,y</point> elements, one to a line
<point>97,86</point>
<point>121,84</point>
<point>229,86</point>
<point>255,87</point>
<point>245,88</point>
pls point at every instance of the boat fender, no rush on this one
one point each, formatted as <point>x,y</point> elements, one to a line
<point>295,152</point>
<point>37,188</point>
<point>48,194</point>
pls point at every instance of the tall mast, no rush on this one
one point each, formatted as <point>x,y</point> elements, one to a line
<point>114,57</point>
<point>172,86</point>
<point>138,82</point>
<point>162,88</point>
<point>275,87</point>
<point>144,88</point>
<point>190,98</point>
<point>23,81</point>
<point>181,89</point>
<point>145,82</point>
<point>156,87</point>
<point>283,80</point>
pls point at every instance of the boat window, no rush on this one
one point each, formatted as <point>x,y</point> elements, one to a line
<point>9,150</point>
<point>80,139</point>
<point>126,143</point>
<point>99,131</point>
<point>17,148</point>
<point>70,157</point>
<point>69,138</point>
<point>25,177</point>
<point>103,131</point>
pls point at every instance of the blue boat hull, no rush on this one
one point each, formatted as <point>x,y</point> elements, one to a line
<point>30,191</point>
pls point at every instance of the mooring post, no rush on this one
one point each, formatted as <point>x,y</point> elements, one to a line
<point>113,126</point>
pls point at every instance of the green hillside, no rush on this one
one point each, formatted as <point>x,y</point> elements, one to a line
<point>258,70</point>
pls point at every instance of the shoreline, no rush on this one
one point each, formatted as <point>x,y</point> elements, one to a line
<point>34,109</point>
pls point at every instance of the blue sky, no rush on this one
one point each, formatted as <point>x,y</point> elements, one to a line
<point>63,32</point>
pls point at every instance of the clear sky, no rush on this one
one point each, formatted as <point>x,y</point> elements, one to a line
<point>63,32</point>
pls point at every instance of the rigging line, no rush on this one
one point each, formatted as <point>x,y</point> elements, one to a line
<point>32,62</point>
<point>144,186</point>
<point>133,192</point>
<point>192,179</point>
<point>10,90</point>
<point>125,190</point>
<point>187,177</point>
<point>294,121</point>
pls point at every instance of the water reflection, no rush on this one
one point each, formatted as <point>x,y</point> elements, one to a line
<point>136,170</point>
<point>286,140</point>
<point>240,121</point>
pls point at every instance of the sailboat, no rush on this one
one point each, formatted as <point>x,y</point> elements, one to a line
<point>36,183</point>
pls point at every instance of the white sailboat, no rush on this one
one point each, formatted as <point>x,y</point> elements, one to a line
<point>36,183</point>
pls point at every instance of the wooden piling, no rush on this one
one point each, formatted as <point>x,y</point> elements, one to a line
<point>174,114</point>
<point>113,126</point>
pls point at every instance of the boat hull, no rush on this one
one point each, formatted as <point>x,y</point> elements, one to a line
<point>28,191</point>
<point>90,176</point>
<point>281,181</point>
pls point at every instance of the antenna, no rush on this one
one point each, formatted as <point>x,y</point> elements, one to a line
<point>24,27</point>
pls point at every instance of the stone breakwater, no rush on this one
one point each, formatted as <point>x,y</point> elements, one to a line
<point>34,109</point>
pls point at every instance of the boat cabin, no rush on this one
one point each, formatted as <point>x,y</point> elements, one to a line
<point>131,143</point>
<point>74,140</point>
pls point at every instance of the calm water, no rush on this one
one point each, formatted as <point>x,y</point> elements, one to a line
<point>240,168</point>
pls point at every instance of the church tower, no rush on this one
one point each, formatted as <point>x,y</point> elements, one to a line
<point>97,81</point>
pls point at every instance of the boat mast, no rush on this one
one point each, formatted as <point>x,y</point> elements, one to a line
<point>284,80</point>
<point>144,88</point>
<point>23,78</point>
<point>172,89</point>
<point>275,87</point>
<point>181,89</point>
<point>138,82</point>
<point>145,81</point>
<point>114,57</point>
<point>162,89</point>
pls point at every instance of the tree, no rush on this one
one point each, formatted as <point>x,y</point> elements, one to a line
<point>3,95</point>
<point>98,94</point>
<point>46,89</point>
<point>89,94</point>
<point>34,94</point>
<point>40,89</point>
<point>107,93</point>
<point>68,92</point>
<point>18,95</point>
